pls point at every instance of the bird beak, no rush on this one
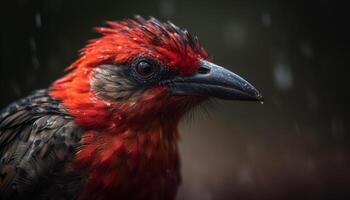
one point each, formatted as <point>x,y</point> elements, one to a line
<point>212,80</point>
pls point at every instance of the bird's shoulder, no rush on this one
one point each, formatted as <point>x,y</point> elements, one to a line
<point>37,138</point>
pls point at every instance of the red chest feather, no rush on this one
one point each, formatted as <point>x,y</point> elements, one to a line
<point>129,165</point>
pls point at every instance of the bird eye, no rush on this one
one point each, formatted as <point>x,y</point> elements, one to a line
<point>144,68</point>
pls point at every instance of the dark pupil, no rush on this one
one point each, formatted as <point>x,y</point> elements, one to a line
<point>144,68</point>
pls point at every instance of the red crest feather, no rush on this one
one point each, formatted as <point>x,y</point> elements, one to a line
<point>130,38</point>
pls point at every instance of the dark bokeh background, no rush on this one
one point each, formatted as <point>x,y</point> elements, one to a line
<point>294,146</point>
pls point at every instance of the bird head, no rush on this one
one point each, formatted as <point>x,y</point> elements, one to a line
<point>141,70</point>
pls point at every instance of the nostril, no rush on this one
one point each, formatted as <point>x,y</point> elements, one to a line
<point>203,70</point>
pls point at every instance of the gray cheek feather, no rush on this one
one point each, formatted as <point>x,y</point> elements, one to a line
<point>112,82</point>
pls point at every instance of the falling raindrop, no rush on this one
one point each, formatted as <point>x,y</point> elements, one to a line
<point>234,35</point>
<point>32,44</point>
<point>16,89</point>
<point>35,62</point>
<point>283,76</point>
<point>33,47</point>
<point>38,20</point>
<point>167,8</point>
<point>266,19</point>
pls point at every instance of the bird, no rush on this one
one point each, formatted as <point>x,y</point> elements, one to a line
<point>108,129</point>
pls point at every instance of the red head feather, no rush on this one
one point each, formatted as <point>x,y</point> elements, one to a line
<point>131,38</point>
<point>120,43</point>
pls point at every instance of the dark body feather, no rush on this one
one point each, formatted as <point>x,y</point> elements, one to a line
<point>38,140</point>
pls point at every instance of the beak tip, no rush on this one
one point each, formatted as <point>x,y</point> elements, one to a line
<point>260,98</point>
<point>252,93</point>
<point>257,97</point>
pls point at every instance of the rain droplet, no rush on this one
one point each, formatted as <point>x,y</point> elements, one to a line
<point>38,20</point>
<point>167,8</point>
<point>283,76</point>
<point>35,62</point>
<point>16,89</point>
<point>235,35</point>
<point>32,44</point>
<point>266,19</point>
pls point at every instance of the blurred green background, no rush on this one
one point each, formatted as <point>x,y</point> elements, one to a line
<point>294,146</point>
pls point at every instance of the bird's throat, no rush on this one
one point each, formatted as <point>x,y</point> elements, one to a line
<point>132,162</point>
